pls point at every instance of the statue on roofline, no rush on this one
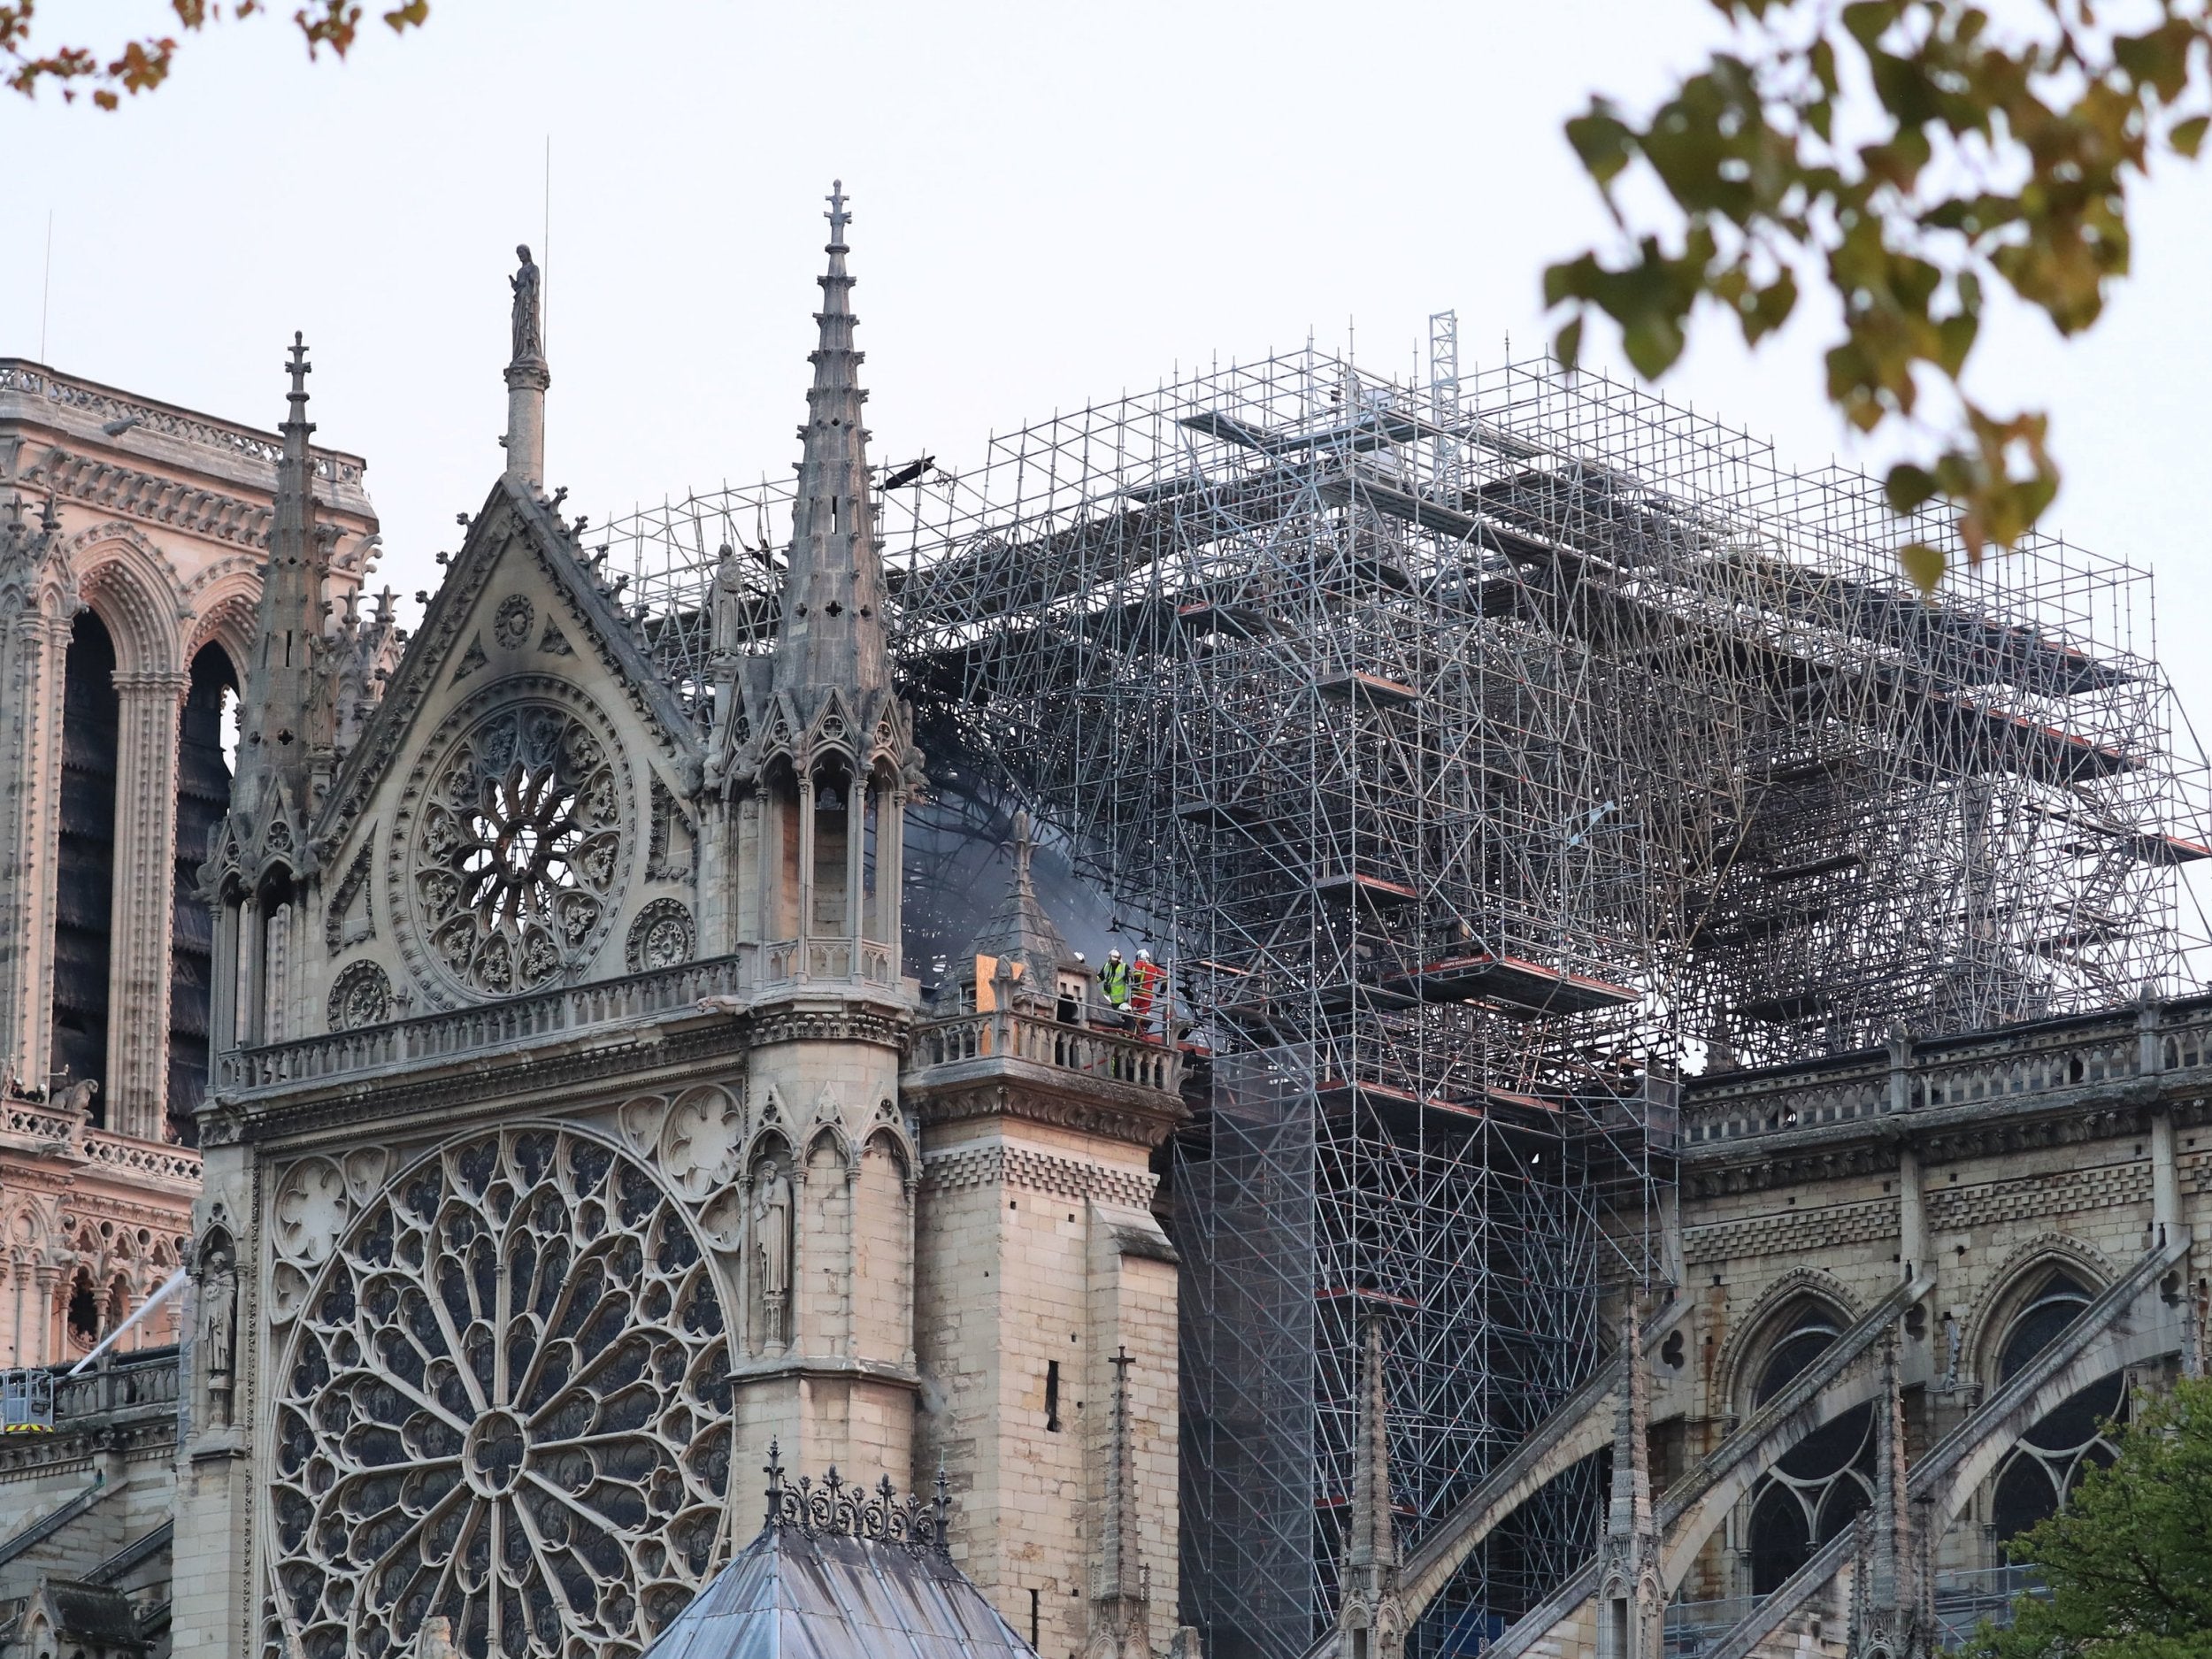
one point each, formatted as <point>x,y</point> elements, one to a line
<point>529,320</point>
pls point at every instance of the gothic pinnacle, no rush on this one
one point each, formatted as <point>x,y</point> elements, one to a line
<point>832,633</point>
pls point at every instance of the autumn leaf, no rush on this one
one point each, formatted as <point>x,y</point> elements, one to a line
<point>1905,227</point>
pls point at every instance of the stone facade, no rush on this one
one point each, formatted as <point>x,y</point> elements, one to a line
<point>580,1145</point>
<point>132,536</point>
<point>1994,1167</point>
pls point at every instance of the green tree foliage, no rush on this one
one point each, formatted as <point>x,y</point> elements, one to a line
<point>141,65</point>
<point>2128,1560</point>
<point>1914,156</point>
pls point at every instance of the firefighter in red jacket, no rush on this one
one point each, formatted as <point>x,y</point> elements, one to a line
<point>1144,984</point>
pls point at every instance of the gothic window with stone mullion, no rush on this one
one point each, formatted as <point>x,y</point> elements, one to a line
<point>1819,1487</point>
<point>2052,1457</point>
<point>507,1406</point>
<point>520,849</point>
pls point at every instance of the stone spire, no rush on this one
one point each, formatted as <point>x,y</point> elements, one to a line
<point>1893,1613</point>
<point>1119,1593</point>
<point>277,738</point>
<point>1019,930</point>
<point>528,377</point>
<point>830,635</point>
<point>1371,1621</point>
<point>1629,1514</point>
<point>1631,1603</point>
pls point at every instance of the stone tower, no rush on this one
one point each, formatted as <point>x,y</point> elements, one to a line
<point>814,757</point>
<point>1045,1323</point>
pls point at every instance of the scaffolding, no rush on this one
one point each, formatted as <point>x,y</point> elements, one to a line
<point>1482,753</point>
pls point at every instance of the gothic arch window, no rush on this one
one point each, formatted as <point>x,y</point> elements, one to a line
<point>204,777</point>
<point>84,876</point>
<point>2049,1461</point>
<point>833,822</point>
<point>507,1404</point>
<point>1819,1486</point>
<point>80,1313</point>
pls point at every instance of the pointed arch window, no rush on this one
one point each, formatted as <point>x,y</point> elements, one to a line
<point>1819,1486</point>
<point>203,781</point>
<point>2049,1463</point>
<point>84,876</point>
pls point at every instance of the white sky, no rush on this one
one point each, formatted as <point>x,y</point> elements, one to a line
<point>1053,203</point>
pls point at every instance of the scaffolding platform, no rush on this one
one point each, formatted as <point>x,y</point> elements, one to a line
<point>1527,986</point>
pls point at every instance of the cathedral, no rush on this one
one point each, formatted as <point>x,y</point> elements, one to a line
<point>487,1169</point>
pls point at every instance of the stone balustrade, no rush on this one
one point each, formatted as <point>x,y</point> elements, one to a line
<point>121,1383</point>
<point>1088,1050</point>
<point>62,1133</point>
<point>487,1026</point>
<point>36,384</point>
<point>2142,1041</point>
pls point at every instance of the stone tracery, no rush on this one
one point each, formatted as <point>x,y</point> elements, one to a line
<point>507,1405</point>
<point>518,854</point>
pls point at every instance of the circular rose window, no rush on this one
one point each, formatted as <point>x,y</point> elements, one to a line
<point>508,1407</point>
<point>517,853</point>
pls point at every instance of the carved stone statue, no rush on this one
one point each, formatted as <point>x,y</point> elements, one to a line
<point>729,603</point>
<point>436,1639</point>
<point>77,1097</point>
<point>529,325</point>
<point>219,1312</point>
<point>771,1245</point>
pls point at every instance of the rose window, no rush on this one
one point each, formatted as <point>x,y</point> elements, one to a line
<point>520,850</point>
<point>508,1406</point>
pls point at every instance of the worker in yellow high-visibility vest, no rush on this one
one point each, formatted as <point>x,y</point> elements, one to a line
<point>1113,984</point>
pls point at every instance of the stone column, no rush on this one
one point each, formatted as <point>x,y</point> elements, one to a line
<point>806,868</point>
<point>136,1087</point>
<point>2165,1176</point>
<point>1913,1254</point>
<point>859,795</point>
<point>891,872</point>
<point>34,649</point>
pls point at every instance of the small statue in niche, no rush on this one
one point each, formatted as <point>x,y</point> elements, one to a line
<point>217,1333</point>
<point>772,1246</point>
<point>529,327</point>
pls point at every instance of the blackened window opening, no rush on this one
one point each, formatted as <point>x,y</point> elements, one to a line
<point>202,798</point>
<point>1052,1395</point>
<point>85,870</point>
<point>84,1312</point>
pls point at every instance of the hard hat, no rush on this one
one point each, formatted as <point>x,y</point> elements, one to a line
<point>1144,955</point>
<point>1113,956</point>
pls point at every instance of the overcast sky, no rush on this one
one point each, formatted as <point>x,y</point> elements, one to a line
<point>1052,204</point>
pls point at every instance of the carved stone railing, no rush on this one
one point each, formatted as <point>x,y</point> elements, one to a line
<point>793,962</point>
<point>36,1121</point>
<point>144,1160</point>
<point>488,1025</point>
<point>2170,1042</point>
<point>1107,1055</point>
<point>62,1132</point>
<point>124,1383</point>
<point>241,442</point>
